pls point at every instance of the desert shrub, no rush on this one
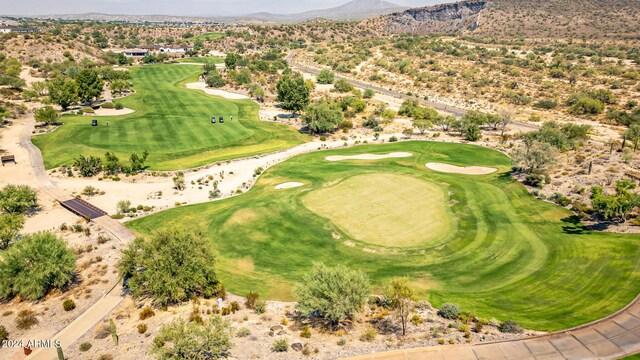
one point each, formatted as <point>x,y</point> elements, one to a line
<point>10,226</point>
<point>88,110</point>
<point>142,328</point>
<point>119,106</point>
<point>342,86</point>
<point>4,335</point>
<point>235,306</point>
<point>281,345</point>
<point>325,76</point>
<point>332,294</point>
<point>545,104</point>
<point>305,332</point>
<point>260,307</point>
<point>85,346</point>
<point>560,199</point>
<point>68,305</point>
<point>393,139</point>
<point>146,313</point>
<point>250,299</point>
<point>342,341</point>
<point>368,94</point>
<point>449,311</point>
<point>535,180</point>
<point>108,105</point>
<point>35,265</point>
<point>105,357</point>
<point>416,320</point>
<point>510,326</point>
<point>178,265</point>
<point>182,340</point>
<point>18,199</point>
<point>26,319</point>
<point>368,335</point>
<point>243,332</point>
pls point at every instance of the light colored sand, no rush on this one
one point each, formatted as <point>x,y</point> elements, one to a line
<point>368,156</point>
<point>466,170</point>
<point>289,185</point>
<point>111,112</point>
<point>222,93</point>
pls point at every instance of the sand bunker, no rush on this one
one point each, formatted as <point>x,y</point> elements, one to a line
<point>222,93</point>
<point>467,170</point>
<point>289,185</point>
<point>368,156</point>
<point>111,112</point>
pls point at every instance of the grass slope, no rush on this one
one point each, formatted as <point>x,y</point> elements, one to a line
<point>172,123</point>
<point>202,60</point>
<point>209,36</point>
<point>509,255</point>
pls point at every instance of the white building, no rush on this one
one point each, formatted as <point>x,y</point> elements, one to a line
<point>174,50</point>
<point>5,30</point>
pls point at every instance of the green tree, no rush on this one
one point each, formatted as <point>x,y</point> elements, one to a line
<point>88,166</point>
<point>10,226</point>
<point>333,294</point>
<point>257,92</point>
<point>18,199</point>
<point>401,297</point>
<point>342,86</point>
<point>293,93</point>
<point>231,61</point>
<point>617,206</point>
<point>369,94</point>
<point>322,116</point>
<point>422,125</point>
<point>118,86</point>
<point>534,155</point>
<point>181,340</point>
<point>47,115</point>
<point>89,85</point>
<point>36,264</point>
<point>63,91</point>
<point>325,76</point>
<point>214,79</point>
<point>171,266</point>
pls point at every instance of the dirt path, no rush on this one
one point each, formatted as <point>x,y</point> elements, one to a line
<point>101,308</point>
<point>613,337</point>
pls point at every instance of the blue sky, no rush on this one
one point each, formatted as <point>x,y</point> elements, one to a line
<point>175,7</point>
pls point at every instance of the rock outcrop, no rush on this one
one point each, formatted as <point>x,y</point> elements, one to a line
<point>438,19</point>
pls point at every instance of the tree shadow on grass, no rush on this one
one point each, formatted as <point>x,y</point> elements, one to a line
<point>574,226</point>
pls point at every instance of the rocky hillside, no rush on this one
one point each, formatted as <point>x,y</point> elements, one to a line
<point>437,19</point>
<point>531,19</point>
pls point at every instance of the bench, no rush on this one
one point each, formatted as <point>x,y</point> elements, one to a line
<point>7,158</point>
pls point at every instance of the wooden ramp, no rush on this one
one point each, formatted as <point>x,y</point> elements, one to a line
<point>83,208</point>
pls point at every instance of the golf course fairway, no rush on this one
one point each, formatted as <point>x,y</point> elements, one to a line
<point>172,123</point>
<point>480,241</point>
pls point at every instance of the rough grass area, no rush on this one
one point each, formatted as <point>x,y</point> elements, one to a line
<point>203,60</point>
<point>384,209</point>
<point>509,256</point>
<point>210,36</point>
<point>172,123</point>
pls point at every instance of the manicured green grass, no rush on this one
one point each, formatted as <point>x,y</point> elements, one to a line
<point>209,36</point>
<point>172,123</point>
<point>202,60</point>
<point>384,209</point>
<point>508,255</point>
<point>632,357</point>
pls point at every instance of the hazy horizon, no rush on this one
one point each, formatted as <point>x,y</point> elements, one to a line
<point>177,7</point>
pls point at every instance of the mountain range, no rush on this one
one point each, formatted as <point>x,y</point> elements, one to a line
<point>353,10</point>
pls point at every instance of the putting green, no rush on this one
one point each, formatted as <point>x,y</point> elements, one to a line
<point>507,255</point>
<point>172,123</point>
<point>384,209</point>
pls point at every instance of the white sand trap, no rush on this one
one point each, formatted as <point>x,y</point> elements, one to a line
<point>289,185</point>
<point>368,156</point>
<point>222,93</point>
<point>111,112</point>
<point>467,170</point>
